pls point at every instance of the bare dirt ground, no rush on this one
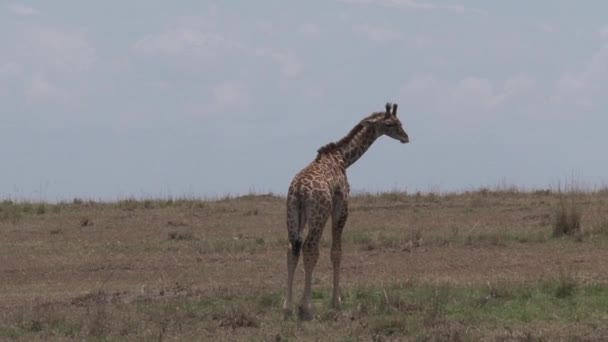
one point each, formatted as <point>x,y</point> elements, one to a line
<point>202,270</point>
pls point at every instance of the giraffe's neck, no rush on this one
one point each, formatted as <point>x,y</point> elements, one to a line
<point>353,147</point>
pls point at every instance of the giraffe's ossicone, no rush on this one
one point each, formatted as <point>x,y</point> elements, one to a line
<point>320,191</point>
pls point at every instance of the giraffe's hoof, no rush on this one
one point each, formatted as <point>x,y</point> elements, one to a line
<point>305,314</point>
<point>337,303</point>
<point>287,309</point>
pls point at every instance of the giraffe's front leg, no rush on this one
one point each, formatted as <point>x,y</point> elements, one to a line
<point>339,217</point>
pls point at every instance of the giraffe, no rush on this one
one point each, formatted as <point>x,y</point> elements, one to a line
<point>321,190</point>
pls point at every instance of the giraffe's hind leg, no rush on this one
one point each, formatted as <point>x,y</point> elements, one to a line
<point>310,249</point>
<point>295,222</point>
<point>339,216</point>
<point>292,262</point>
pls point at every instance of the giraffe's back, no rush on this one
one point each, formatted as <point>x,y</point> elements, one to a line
<point>319,181</point>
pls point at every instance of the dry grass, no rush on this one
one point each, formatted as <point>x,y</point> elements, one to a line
<point>567,220</point>
<point>458,266</point>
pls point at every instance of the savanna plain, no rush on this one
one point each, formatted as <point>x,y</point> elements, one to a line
<point>489,264</point>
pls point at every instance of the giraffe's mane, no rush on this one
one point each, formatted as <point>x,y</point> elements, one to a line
<point>333,146</point>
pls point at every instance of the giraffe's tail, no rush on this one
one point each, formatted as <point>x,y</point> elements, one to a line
<point>295,233</point>
<point>296,246</point>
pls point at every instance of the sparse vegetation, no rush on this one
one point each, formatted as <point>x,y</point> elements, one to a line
<point>181,236</point>
<point>418,310</point>
<point>567,220</point>
<point>41,209</point>
<point>478,265</point>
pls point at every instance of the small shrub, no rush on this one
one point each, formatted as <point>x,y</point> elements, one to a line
<point>567,220</point>
<point>41,209</point>
<point>172,223</point>
<point>542,192</point>
<point>387,326</point>
<point>99,321</point>
<point>394,196</point>
<point>128,204</point>
<point>254,212</point>
<point>566,286</point>
<point>434,311</point>
<point>365,240</point>
<point>181,236</point>
<point>35,325</point>
<point>433,197</point>
<point>485,240</point>
<point>11,213</point>
<point>86,222</point>
<point>600,229</point>
<point>27,208</point>
<point>603,228</point>
<point>236,318</point>
<point>415,237</point>
<point>500,290</point>
<point>270,300</point>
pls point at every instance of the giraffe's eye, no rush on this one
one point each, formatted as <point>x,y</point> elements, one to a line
<point>391,124</point>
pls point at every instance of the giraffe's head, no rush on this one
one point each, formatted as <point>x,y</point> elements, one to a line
<point>387,123</point>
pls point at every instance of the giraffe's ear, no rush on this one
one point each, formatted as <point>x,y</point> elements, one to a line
<point>371,120</point>
<point>394,109</point>
<point>368,122</point>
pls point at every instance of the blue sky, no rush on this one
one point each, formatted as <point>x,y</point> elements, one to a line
<point>106,100</point>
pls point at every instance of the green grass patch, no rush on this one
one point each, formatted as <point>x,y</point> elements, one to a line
<point>413,310</point>
<point>483,238</point>
<point>378,239</point>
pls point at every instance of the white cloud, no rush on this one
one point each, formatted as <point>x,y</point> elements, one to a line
<point>313,92</point>
<point>288,62</point>
<point>378,34</point>
<point>468,97</point>
<point>61,51</point>
<point>41,91</point>
<point>225,97</point>
<point>520,88</point>
<point>9,74</point>
<point>473,94</point>
<point>416,5</point>
<point>185,42</point>
<point>23,10</point>
<point>422,41</point>
<point>598,65</point>
<point>309,29</point>
<point>571,89</point>
<point>586,87</point>
<point>47,66</point>
<point>422,90</point>
<point>194,44</point>
<point>231,95</point>
<point>10,69</point>
<point>547,28</point>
